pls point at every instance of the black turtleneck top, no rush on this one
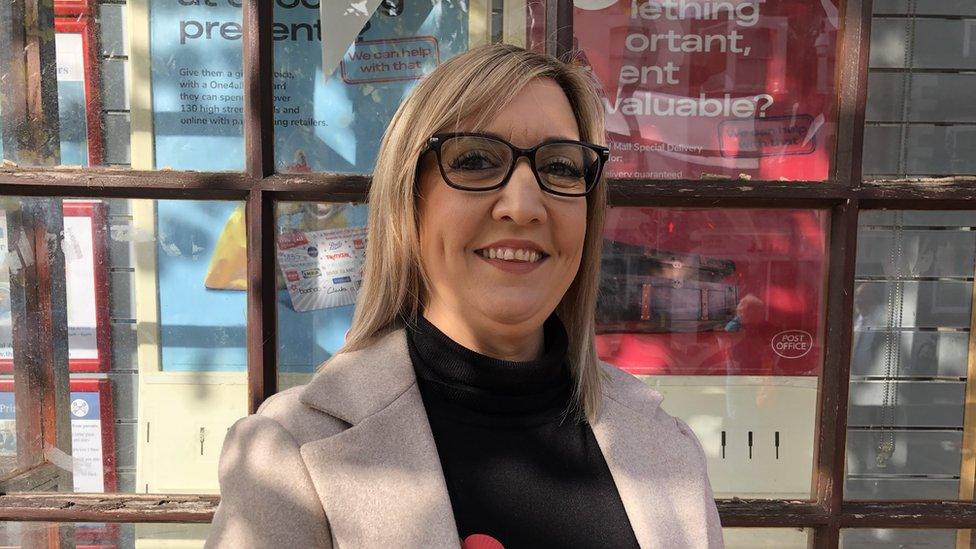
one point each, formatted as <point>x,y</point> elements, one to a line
<point>516,468</point>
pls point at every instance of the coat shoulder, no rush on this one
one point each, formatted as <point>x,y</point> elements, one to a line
<point>303,422</point>
<point>630,391</point>
<point>645,401</point>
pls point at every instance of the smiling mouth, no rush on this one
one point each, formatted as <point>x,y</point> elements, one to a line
<point>513,255</point>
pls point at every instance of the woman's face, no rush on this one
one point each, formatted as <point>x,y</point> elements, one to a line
<point>456,227</point>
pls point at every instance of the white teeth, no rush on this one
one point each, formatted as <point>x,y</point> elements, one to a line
<point>512,254</point>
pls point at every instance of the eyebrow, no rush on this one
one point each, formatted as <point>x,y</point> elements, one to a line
<point>544,139</point>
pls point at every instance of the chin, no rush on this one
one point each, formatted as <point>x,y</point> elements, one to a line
<point>516,311</point>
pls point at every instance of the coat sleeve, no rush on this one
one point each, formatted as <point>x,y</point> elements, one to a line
<point>266,495</point>
<point>713,524</point>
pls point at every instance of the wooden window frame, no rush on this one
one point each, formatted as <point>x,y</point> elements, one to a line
<point>844,195</point>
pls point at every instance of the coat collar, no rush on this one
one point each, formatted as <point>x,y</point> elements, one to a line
<point>354,386</point>
<point>381,482</point>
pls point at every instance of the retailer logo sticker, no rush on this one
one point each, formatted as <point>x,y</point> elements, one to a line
<point>792,343</point>
<point>79,408</point>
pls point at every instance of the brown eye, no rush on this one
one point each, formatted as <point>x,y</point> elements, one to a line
<point>473,160</point>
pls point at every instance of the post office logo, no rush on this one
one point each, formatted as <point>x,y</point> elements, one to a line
<point>792,343</point>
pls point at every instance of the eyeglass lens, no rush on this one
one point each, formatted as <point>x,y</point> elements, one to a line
<point>474,162</point>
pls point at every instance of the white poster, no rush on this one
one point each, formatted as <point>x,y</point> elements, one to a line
<point>87,457</point>
<point>322,268</point>
<point>86,442</point>
<point>78,248</point>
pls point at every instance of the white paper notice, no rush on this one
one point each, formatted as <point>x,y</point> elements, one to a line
<point>86,442</point>
<point>341,24</point>
<point>78,246</point>
<point>322,268</point>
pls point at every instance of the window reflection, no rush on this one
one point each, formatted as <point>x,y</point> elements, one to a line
<point>153,384</point>
<point>909,364</point>
<point>721,311</point>
<point>333,102</point>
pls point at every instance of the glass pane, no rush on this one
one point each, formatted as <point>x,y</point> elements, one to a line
<point>778,538</point>
<point>721,310</point>
<point>334,100</point>
<point>875,538</point>
<point>910,359</point>
<point>153,85</point>
<point>101,535</point>
<point>320,251</point>
<point>152,293</point>
<point>919,119</point>
<point>705,90</point>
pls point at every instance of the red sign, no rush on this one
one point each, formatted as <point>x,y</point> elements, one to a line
<point>699,88</point>
<point>291,239</point>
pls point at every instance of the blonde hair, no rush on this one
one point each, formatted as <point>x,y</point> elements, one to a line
<point>478,83</point>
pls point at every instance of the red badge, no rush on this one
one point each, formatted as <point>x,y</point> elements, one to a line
<point>481,541</point>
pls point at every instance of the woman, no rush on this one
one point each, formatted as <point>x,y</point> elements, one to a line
<point>468,402</point>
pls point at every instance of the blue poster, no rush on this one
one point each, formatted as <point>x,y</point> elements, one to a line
<point>200,329</point>
<point>323,122</point>
<point>197,96</point>
<point>336,123</point>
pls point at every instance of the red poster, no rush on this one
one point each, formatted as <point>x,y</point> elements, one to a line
<point>702,88</point>
<point>713,291</point>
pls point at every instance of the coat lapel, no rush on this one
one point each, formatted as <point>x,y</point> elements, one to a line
<point>630,465</point>
<point>646,460</point>
<point>380,481</point>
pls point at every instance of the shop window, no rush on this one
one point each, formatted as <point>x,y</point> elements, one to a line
<point>721,311</point>
<point>920,119</point>
<point>333,101</point>
<point>320,252</point>
<point>154,303</point>
<point>186,78</point>
<point>705,90</point>
<point>910,362</point>
<point>102,535</point>
<point>879,538</point>
<point>758,538</point>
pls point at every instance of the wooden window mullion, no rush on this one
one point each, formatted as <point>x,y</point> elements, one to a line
<point>830,456</point>
<point>853,91</point>
<point>259,209</point>
<point>559,28</point>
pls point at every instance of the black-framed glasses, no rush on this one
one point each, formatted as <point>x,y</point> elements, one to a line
<point>481,162</point>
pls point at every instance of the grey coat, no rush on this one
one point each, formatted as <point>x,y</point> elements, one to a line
<point>349,461</point>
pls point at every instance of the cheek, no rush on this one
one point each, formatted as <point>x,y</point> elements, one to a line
<point>446,227</point>
<point>572,230</point>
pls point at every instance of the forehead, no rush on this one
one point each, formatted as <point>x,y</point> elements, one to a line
<point>539,111</point>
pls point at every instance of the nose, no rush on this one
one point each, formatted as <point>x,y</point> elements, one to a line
<point>521,199</point>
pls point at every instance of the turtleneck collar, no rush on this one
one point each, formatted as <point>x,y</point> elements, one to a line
<point>488,387</point>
